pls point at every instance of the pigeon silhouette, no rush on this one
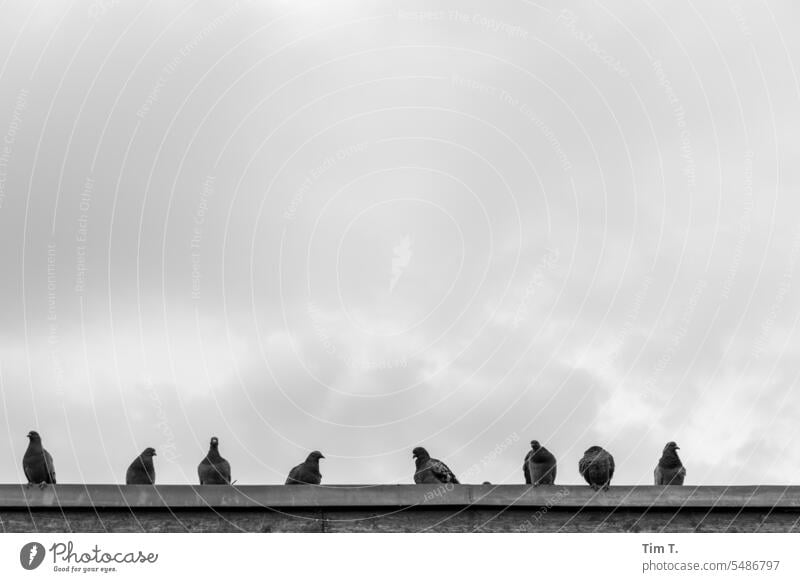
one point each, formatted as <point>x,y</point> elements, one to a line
<point>141,471</point>
<point>306,472</point>
<point>431,470</point>
<point>214,470</point>
<point>597,467</point>
<point>37,464</point>
<point>670,470</point>
<point>539,466</point>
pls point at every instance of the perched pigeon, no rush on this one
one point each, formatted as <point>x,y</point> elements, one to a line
<point>307,471</point>
<point>142,471</point>
<point>539,466</point>
<point>431,470</point>
<point>670,470</point>
<point>597,467</point>
<point>37,464</point>
<point>214,470</point>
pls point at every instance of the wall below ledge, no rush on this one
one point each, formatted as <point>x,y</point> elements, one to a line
<point>397,508</point>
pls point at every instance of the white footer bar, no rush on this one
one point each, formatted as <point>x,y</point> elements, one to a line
<point>372,557</point>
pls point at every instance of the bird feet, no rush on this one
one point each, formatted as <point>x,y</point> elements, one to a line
<point>42,485</point>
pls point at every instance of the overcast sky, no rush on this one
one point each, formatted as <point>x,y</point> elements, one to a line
<point>360,227</point>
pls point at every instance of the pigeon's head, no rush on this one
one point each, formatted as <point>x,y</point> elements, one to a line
<point>671,447</point>
<point>419,453</point>
<point>535,445</point>
<point>593,450</point>
<point>149,452</point>
<point>214,442</point>
<point>34,436</point>
<point>315,456</point>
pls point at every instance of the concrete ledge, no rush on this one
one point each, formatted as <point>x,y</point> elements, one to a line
<point>364,497</point>
<point>397,508</point>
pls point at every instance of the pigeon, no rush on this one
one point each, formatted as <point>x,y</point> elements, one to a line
<point>37,464</point>
<point>431,470</point>
<point>670,470</point>
<point>306,472</point>
<point>142,471</point>
<point>214,470</point>
<point>597,467</point>
<point>539,466</point>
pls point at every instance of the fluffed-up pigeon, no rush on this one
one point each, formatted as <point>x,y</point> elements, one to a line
<point>431,470</point>
<point>539,466</point>
<point>597,467</point>
<point>214,470</point>
<point>670,470</point>
<point>142,471</point>
<point>306,472</point>
<point>37,464</point>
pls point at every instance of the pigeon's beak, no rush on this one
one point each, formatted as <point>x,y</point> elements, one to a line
<point>322,456</point>
<point>677,448</point>
<point>154,454</point>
